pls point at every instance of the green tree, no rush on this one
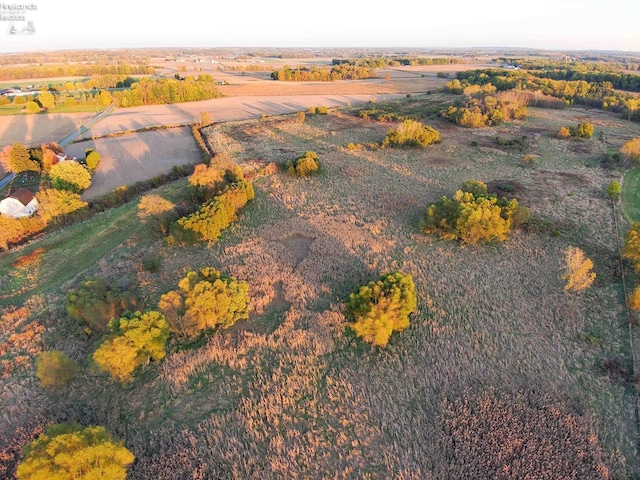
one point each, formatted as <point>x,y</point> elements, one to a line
<point>614,190</point>
<point>136,339</point>
<point>69,451</point>
<point>20,160</point>
<point>55,369</point>
<point>476,187</point>
<point>70,175</point>
<point>96,302</point>
<point>205,299</point>
<point>411,133</point>
<point>376,310</point>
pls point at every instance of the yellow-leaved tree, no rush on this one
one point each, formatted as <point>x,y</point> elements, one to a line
<point>578,270</point>
<point>378,309</point>
<point>205,299</point>
<point>137,338</point>
<point>70,451</point>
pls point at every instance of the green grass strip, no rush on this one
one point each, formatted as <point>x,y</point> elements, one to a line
<point>71,250</point>
<point>630,197</point>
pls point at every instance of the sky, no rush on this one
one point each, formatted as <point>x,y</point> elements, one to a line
<point>542,24</point>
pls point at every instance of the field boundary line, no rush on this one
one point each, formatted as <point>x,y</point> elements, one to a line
<point>630,323</point>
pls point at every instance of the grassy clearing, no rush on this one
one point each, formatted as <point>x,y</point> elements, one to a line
<point>66,253</point>
<point>291,393</point>
<point>630,197</point>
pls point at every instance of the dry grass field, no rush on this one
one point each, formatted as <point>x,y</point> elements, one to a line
<point>136,157</point>
<point>502,373</point>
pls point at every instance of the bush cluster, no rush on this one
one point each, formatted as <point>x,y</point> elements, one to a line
<point>473,216</point>
<point>487,110</point>
<point>304,165</point>
<point>96,302</point>
<point>381,307</point>
<point>215,215</point>
<point>411,133</point>
<point>582,130</point>
<point>205,299</point>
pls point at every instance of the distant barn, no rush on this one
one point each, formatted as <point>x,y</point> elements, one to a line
<point>21,203</point>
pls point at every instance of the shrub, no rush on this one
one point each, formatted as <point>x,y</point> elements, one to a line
<point>96,302</point>
<point>55,369</point>
<point>208,222</point>
<point>136,339</point>
<point>411,133</point>
<point>578,270</point>
<point>71,451</point>
<point>613,190</point>
<point>476,187</point>
<point>376,310</point>
<point>205,299</point>
<point>300,117</point>
<point>304,165</point>
<point>471,217</point>
<point>564,132</point>
<point>152,264</point>
<point>584,130</point>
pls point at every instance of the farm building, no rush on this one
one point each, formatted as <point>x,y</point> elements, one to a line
<point>21,203</point>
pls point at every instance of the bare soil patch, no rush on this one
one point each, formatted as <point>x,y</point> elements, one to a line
<point>136,157</point>
<point>34,130</point>
<point>299,246</point>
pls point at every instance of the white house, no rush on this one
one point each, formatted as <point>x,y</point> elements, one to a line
<point>21,203</point>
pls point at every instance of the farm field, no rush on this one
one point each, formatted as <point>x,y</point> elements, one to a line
<point>501,370</point>
<point>33,130</point>
<point>135,157</point>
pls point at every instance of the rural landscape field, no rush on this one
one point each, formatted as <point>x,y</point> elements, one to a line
<point>201,302</point>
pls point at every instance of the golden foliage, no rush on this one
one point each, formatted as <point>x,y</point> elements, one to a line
<point>68,451</point>
<point>137,339</point>
<point>206,175</point>
<point>578,270</point>
<point>378,309</point>
<point>206,299</point>
<point>153,204</point>
<point>631,148</point>
<point>634,299</point>
<point>631,249</point>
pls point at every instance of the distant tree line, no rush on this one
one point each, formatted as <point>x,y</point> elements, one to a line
<point>75,70</point>
<point>395,61</point>
<point>594,94</point>
<point>337,72</point>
